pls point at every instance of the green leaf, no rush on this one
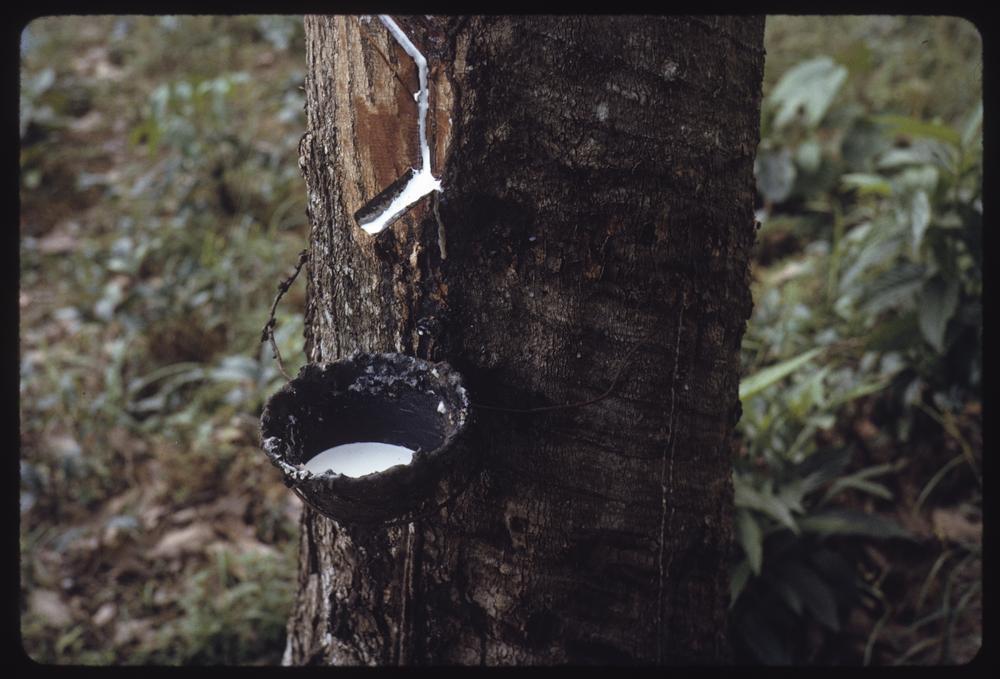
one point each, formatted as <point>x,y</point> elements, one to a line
<point>37,85</point>
<point>973,125</point>
<point>821,467</point>
<point>866,184</point>
<point>863,142</point>
<point>775,173</point>
<point>896,158</point>
<point>751,539</point>
<point>67,640</point>
<point>857,392</point>
<point>834,568</point>
<point>859,480</point>
<point>804,438</point>
<point>938,302</point>
<point>919,177</point>
<point>920,218</point>
<point>235,368</point>
<point>766,503</point>
<point>816,594</point>
<point>894,334</point>
<point>791,495</point>
<point>809,155</point>
<point>738,581</point>
<point>851,522</point>
<point>882,248</point>
<point>917,128</point>
<point>815,388</point>
<point>894,288</point>
<point>787,593</point>
<point>760,636</point>
<point>806,91</point>
<point>762,379</point>
<point>171,370</point>
<point>850,482</point>
<point>880,469</point>
<point>858,57</point>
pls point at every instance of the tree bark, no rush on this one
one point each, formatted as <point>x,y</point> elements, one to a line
<point>596,221</point>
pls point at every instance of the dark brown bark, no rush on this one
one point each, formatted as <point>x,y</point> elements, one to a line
<point>598,199</point>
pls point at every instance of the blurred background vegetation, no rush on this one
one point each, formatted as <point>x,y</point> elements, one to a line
<point>161,203</point>
<point>857,469</point>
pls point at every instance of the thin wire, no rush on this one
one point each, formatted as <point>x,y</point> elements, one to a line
<point>267,334</point>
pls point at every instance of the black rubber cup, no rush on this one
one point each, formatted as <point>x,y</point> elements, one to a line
<point>385,398</point>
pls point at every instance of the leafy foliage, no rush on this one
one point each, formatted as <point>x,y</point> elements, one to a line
<point>877,306</point>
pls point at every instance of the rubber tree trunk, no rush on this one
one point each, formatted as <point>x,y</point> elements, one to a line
<point>596,218</point>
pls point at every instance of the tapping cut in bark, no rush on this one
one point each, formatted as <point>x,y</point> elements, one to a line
<point>407,190</point>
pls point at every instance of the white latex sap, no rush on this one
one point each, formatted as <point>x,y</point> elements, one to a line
<point>423,182</point>
<point>358,459</point>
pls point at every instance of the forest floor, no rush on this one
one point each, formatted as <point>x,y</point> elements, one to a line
<point>153,237</point>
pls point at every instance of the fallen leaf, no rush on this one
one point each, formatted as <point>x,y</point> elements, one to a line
<point>131,629</point>
<point>96,63</point>
<point>189,540</point>
<point>916,524</point>
<point>121,439</point>
<point>104,614</point>
<point>228,505</point>
<point>163,596</point>
<point>63,446</point>
<point>788,272</point>
<point>128,567</point>
<point>56,243</point>
<point>49,606</point>
<point>117,527</point>
<point>951,526</point>
<point>184,516</point>
<point>293,508</point>
<point>118,503</point>
<point>229,435</point>
<point>256,548</point>
<point>865,429</point>
<point>245,546</point>
<point>84,546</point>
<point>151,516</point>
<point>88,123</point>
